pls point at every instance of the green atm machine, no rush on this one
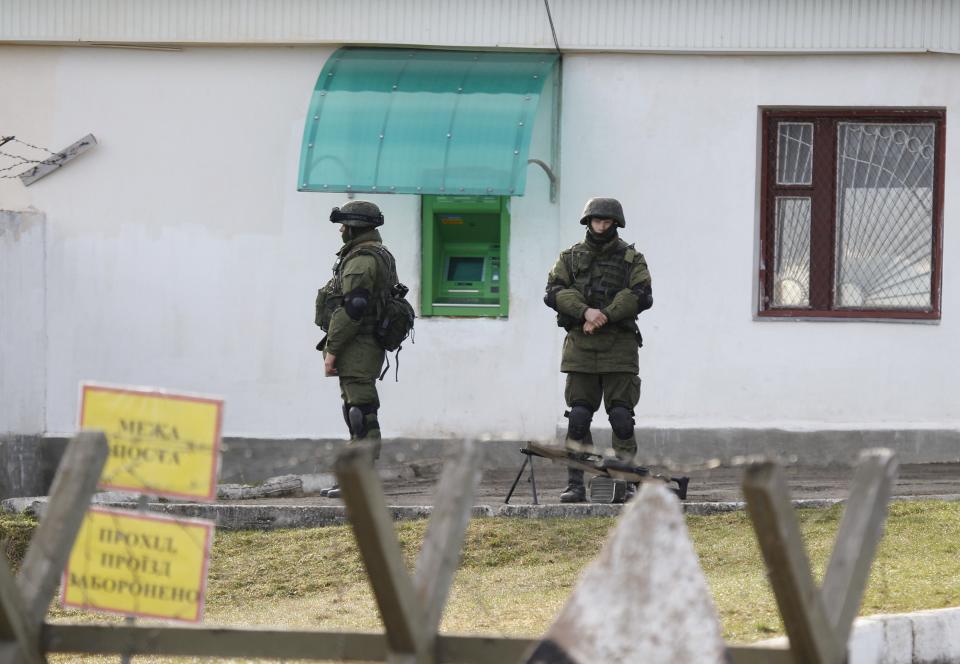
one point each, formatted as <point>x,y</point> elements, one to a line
<point>465,240</point>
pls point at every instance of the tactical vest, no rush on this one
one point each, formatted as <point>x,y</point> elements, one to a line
<point>331,296</point>
<point>599,276</point>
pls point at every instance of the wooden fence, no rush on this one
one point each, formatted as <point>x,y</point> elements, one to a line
<point>817,620</point>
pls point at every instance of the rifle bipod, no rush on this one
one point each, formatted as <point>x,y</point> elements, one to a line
<point>611,476</point>
<point>528,458</point>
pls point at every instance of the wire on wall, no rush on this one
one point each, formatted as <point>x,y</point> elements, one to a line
<point>20,159</point>
<point>553,30</point>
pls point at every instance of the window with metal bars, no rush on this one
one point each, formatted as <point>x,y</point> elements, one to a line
<point>852,205</point>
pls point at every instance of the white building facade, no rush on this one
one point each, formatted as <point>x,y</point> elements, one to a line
<point>179,252</point>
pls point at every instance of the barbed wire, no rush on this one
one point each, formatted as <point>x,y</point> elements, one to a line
<point>23,159</point>
<point>29,145</point>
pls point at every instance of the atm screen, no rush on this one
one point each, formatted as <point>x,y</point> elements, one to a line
<point>465,268</point>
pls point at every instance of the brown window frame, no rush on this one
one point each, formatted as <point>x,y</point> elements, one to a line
<point>823,210</point>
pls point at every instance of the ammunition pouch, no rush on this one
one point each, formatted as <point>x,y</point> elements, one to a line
<point>325,305</point>
<point>608,490</point>
<point>600,298</point>
<point>550,297</point>
<point>566,321</point>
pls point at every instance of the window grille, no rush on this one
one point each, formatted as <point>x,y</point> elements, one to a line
<point>852,206</point>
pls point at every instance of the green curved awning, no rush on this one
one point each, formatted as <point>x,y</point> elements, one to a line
<point>422,122</point>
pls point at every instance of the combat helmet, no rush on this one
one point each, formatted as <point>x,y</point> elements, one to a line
<point>357,214</point>
<point>604,208</point>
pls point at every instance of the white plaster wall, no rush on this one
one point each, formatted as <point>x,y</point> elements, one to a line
<point>181,255</point>
<point>675,138</point>
<point>23,338</point>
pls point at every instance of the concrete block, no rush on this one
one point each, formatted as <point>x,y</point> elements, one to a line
<point>704,509</point>
<point>866,644</point>
<point>274,517</point>
<point>936,636</point>
<point>579,510</point>
<point>897,639</point>
<point>31,506</point>
<point>314,482</point>
<point>275,487</point>
<point>643,598</point>
<point>259,517</point>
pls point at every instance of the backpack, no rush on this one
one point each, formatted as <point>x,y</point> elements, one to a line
<point>396,319</point>
<point>397,316</point>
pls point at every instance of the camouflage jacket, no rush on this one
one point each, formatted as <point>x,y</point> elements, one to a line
<point>613,278</point>
<point>352,341</point>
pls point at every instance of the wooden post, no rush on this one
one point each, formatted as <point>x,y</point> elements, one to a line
<point>411,612</point>
<point>818,620</point>
<point>373,528</point>
<point>812,638</point>
<point>254,642</point>
<point>74,484</point>
<point>142,503</point>
<point>759,654</point>
<point>19,633</point>
<point>857,539</point>
<point>443,543</point>
<point>56,161</point>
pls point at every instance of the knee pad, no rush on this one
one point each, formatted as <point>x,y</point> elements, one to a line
<point>361,419</point>
<point>371,422</point>
<point>580,417</point>
<point>621,421</point>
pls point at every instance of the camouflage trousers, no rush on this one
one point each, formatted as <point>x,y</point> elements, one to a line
<point>362,392</point>
<point>610,389</point>
<point>357,391</point>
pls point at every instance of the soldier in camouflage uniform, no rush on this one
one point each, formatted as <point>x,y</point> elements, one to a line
<point>598,287</point>
<point>348,310</point>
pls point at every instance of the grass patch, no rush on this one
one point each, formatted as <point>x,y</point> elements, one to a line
<point>15,532</point>
<point>517,573</point>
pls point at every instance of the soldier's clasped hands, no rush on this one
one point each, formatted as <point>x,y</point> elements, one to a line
<point>594,320</point>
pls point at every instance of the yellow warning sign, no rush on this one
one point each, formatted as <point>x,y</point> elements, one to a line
<point>160,443</point>
<point>139,564</point>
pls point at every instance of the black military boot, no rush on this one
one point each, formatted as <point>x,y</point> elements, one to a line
<point>346,419</point>
<point>334,491</point>
<point>578,442</point>
<point>366,426</point>
<point>575,491</point>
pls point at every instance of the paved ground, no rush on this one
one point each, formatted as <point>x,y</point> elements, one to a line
<point>718,485</point>
<point>410,496</point>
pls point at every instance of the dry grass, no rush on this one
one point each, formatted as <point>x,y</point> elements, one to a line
<point>15,532</point>
<point>517,573</point>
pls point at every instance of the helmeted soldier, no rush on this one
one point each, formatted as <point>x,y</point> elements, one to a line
<point>348,309</point>
<point>598,287</point>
